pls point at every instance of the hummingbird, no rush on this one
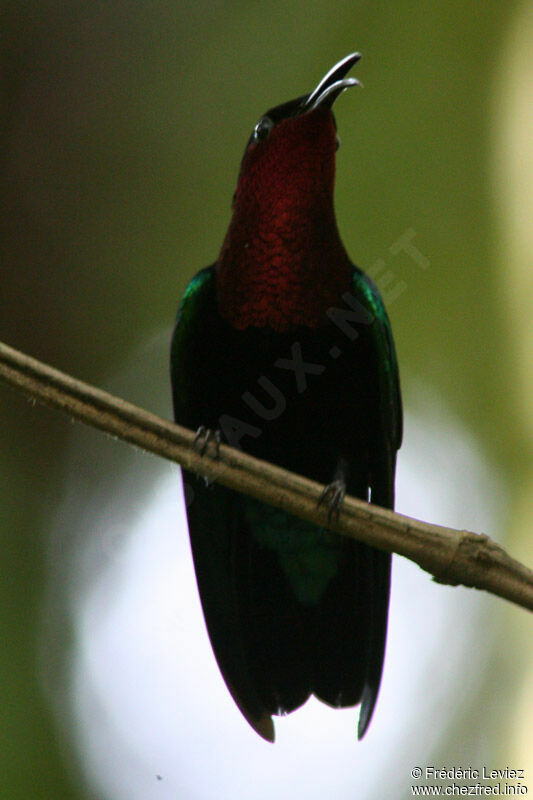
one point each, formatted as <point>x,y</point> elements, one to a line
<point>283,348</point>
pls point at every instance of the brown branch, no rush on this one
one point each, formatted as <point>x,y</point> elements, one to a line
<point>452,557</point>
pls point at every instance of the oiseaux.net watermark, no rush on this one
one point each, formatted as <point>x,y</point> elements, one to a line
<point>349,319</point>
<point>432,781</point>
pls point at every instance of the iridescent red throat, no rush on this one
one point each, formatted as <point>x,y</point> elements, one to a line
<point>282,263</point>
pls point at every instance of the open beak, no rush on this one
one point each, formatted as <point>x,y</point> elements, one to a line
<point>332,85</point>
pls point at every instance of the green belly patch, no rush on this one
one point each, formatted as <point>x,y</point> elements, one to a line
<point>308,555</point>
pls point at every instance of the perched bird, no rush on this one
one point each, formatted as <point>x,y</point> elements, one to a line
<point>283,348</point>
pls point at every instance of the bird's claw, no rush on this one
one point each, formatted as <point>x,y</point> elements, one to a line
<point>333,495</point>
<point>206,436</point>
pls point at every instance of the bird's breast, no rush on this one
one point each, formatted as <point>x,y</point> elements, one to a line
<point>281,275</point>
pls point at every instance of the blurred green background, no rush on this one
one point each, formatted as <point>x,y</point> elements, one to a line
<point>122,125</point>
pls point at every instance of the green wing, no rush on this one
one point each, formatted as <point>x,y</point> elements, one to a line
<point>211,512</point>
<point>391,404</point>
<point>382,481</point>
<point>198,298</point>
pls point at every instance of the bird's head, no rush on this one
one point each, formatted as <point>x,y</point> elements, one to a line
<point>282,262</point>
<point>289,161</point>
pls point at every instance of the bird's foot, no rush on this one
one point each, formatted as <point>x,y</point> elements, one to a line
<point>203,439</point>
<point>206,436</point>
<point>333,495</point>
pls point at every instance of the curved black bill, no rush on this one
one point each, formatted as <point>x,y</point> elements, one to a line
<point>332,84</point>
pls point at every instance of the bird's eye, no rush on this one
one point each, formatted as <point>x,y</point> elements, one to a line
<point>262,129</point>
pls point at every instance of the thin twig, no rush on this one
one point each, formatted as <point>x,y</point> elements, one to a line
<point>451,556</point>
